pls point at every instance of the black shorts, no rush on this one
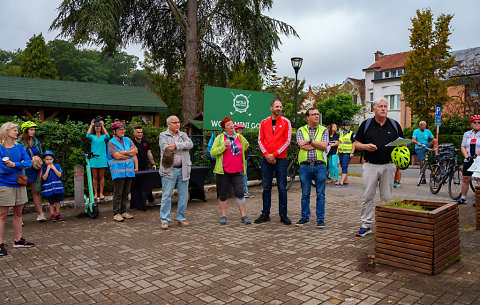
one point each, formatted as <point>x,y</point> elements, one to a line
<point>466,166</point>
<point>55,198</point>
<point>225,183</point>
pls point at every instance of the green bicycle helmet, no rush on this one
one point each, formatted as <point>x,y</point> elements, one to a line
<point>401,157</point>
<point>27,125</point>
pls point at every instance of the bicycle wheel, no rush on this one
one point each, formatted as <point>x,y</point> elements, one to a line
<point>292,171</point>
<point>423,169</point>
<point>253,168</point>
<point>436,179</point>
<point>455,184</point>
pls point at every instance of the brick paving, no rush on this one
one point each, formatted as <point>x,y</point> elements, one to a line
<point>80,260</point>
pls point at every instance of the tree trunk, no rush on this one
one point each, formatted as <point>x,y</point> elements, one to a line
<point>190,90</point>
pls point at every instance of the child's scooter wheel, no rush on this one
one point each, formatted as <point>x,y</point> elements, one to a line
<point>93,214</point>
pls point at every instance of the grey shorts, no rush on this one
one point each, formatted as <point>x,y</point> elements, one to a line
<point>12,196</point>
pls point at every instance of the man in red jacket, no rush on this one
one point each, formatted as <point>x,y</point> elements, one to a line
<point>273,139</point>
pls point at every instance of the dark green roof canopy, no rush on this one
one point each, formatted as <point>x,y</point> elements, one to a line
<point>35,92</point>
<point>196,123</point>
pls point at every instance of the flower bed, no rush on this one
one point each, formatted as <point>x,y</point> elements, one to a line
<point>423,241</point>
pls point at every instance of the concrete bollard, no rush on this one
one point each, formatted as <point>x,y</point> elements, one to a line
<point>79,189</point>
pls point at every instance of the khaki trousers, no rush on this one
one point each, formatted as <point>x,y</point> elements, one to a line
<point>374,175</point>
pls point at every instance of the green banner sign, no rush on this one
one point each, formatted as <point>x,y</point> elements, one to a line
<point>245,107</point>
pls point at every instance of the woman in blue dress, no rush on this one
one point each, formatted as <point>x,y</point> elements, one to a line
<point>98,135</point>
<point>33,148</point>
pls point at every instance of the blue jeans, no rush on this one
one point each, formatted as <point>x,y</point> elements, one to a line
<point>344,161</point>
<point>167,189</point>
<point>307,174</point>
<point>333,166</point>
<point>280,168</point>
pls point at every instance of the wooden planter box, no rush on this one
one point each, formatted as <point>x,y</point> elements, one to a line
<point>477,206</point>
<point>423,241</point>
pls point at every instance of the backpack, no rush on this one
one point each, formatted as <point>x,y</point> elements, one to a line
<point>209,146</point>
<point>367,124</point>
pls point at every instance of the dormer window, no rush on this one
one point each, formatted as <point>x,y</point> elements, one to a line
<point>393,73</point>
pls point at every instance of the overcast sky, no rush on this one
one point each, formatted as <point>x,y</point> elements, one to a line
<point>337,37</point>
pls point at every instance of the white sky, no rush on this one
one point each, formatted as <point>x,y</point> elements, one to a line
<point>337,37</point>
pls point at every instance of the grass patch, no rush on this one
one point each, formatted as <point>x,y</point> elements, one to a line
<point>405,204</point>
<point>354,174</point>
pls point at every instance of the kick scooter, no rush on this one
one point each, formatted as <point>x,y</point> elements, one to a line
<point>91,207</point>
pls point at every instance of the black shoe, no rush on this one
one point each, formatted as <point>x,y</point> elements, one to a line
<point>22,243</point>
<point>462,201</point>
<point>3,251</point>
<point>301,222</point>
<point>262,218</point>
<point>285,220</point>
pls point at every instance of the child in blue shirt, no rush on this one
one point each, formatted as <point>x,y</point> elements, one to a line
<point>52,186</point>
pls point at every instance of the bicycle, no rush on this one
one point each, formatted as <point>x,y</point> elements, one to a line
<point>447,169</point>
<point>427,164</point>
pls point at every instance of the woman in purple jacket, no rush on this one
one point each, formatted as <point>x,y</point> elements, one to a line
<point>14,159</point>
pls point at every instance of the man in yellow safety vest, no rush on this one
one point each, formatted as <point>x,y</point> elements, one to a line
<point>345,151</point>
<point>313,142</point>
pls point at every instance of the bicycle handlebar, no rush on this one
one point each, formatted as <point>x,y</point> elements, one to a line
<point>89,155</point>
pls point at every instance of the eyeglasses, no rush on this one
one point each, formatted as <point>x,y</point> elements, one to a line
<point>177,122</point>
<point>315,114</point>
<point>476,122</point>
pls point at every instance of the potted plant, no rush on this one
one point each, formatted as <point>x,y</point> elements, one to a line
<point>418,235</point>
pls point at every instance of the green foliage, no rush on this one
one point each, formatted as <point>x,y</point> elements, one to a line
<point>204,38</point>
<point>454,124</point>
<point>285,91</point>
<point>91,65</point>
<point>36,61</point>
<point>10,62</point>
<point>338,108</point>
<point>405,204</point>
<point>424,84</point>
<point>245,77</point>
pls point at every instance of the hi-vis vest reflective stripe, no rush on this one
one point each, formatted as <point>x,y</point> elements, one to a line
<point>345,140</point>
<point>302,155</point>
<point>121,168</point>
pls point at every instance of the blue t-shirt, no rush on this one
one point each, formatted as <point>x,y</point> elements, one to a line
<point>17,154</point>
<point>422,137</point>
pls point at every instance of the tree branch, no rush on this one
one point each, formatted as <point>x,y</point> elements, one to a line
<point>181,20</point>
<point>205,22</point>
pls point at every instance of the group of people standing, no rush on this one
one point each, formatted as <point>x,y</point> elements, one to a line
<point>318,147</point>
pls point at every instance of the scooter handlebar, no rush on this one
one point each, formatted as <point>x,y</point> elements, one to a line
<point>89,155</point>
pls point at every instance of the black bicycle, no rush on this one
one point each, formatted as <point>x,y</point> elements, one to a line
<point>448,170</point>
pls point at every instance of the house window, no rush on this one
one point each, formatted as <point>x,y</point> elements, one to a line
<point>394,101</point>
<point>386,74</point>
<point>371,96</point>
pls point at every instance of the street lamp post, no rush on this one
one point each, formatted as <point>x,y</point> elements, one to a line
<point>296,64</point>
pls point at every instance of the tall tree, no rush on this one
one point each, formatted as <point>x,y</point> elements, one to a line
<point>10,62</point>
<point>36,60</point>
<point>424,85</point>
<point>179,32</point>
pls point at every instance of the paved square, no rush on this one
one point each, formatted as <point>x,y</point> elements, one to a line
<point>80,260</point>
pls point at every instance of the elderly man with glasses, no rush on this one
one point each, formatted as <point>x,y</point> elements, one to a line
<point>174,173</point>
<point>470,150</point>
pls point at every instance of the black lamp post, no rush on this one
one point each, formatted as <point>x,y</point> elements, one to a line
<point>296,64</point>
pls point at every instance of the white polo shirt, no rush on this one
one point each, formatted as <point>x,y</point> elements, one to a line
<point>471,137</point>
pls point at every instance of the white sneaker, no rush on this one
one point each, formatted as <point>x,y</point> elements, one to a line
<point>41,218</point>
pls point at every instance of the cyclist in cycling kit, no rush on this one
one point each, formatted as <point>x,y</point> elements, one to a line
<point>470,150</point>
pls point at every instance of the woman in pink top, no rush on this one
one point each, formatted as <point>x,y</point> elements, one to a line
<point>229,150</point>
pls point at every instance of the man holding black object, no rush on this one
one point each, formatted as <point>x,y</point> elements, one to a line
<point>372,137</point>
<point>144,157</point>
